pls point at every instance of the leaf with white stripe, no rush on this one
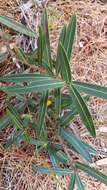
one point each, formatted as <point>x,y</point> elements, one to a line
<point>61,40</point>
<point>83,111</point>
<point>91,89</point>
<point>41,117</point>
<point>72,182</point>
<point>70,35</point>
<point>53,157</point>
<point>57,95</point>
<point>68,117</point>
<point>92,172</point>
<point>17,26</point>
<point>28,77</point>
<point>54,171</point>
<point>76,143</point>
<point>5,120</point>
<point>40,46</point>
<point>37,86</point>
<point>79,182</point>
<point>14,116</point>
<point>46,39</point>
<point>65,66</point>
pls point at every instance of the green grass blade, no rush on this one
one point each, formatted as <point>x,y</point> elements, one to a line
<point>70,35</point>
<point>65,66</point>
<point>54,171</point>
<point>21,55</point>
<point>90,149</point>
<point>46,46</point>
<point>42,114</point>
<point>32,57</point>
<point>92,172</point>
<point>76,143</point>
<point>57,101</point>
<point>5,120</point>
<point>79,183</point>
<point>91,89</point>
<point>66,101</point>
<point>53,157</point>
<point>27,58</point>
<point>28,77</point>
<point>61,40</point>
<point>72,182</point>
<point>38,86</point>
<point>61,156</point>
<point>17,26</point>
<point>15,119</point>
<point>40,46</point>
<point>83,111</point>
<point>68,117</point>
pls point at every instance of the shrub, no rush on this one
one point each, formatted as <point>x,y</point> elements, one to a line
<point>39,96</point>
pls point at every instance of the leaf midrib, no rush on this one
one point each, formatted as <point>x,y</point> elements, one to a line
<point>82,110</point>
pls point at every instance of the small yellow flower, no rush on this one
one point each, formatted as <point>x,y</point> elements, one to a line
<point>49,102</point>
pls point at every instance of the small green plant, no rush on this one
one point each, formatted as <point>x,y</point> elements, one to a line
<point>40,99</point>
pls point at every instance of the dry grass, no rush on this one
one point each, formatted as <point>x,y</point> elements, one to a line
<point>89,63</point>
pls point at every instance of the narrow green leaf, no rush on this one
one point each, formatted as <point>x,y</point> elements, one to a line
<point>83,111</point>
<point>54,171</point>
<point>57,101</point>
<point>61,156</point>
<point>72,182</point>
<point>5,120</point>
<point>65,66</point>
<point>66,101</point>
<point>27,58</point>
<point>46,47</point>
<point>91,89</point>
<point>32,57</point>
<point>67,117</point>
<point>53,157</point>
<point>21,55</point>
<point>70,35</point>
<point>76,143</point>
<point>90,149</point>
<point>37,86</point>
<point>17,26</point>
<point>48,69</point>
<point>92,172</point>
<point>42,114</point>
<point>61,40</point>
<point>40,46</point>
<point>15,120</point>
<point>28,77</point>
<point>79,183</point>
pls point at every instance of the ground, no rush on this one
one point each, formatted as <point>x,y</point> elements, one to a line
<point>89,63</point>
